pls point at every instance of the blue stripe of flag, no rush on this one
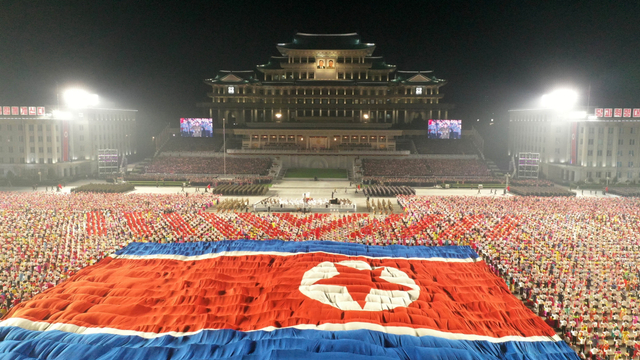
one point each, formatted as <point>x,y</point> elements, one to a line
<point>17,343</point>
<point>349,249</point>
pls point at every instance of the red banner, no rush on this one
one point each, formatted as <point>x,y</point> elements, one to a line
<point>6,110</point>
<point>40,110</point>
<point>617,112</point>
<point>65,141</point>
<point>14,110</point>
<point>636,112</point>
<point>599,112</point>
<point>32,110</point>
<point>574,143</point>
<point>608,112</point>
<point>24,110</point>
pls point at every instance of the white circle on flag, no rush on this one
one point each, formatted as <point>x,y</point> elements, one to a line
<point>338,296</point>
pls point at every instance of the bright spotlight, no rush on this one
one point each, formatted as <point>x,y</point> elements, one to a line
<point>560,99</point>
<point>76,98</point>
<point>62,115</point>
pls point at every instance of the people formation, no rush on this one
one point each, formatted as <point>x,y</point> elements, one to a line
<point>424,167</point>
<point>575,261</point>
<point>277,202</point>
<point>208,165</point>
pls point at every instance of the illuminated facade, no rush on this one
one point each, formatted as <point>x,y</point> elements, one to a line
<point>579,144</point>
<point>325,80</point>
<point>63,143</point>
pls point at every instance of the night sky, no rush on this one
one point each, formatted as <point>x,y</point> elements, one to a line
<point>152,56</point>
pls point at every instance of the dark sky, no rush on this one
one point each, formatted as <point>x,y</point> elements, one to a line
<point>153,55</point>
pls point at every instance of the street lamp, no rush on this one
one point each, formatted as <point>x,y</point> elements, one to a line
<point>224,145</point>
<point>278,116</point>
<point>507,176</point>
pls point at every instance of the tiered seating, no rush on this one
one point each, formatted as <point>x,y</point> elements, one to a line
<point>424,167</point>
<point>445,146</point>
<point>190,144</point>
<point>208,165</point>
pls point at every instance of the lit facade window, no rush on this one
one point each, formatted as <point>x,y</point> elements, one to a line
<point>418,91</point>
<point>231,90</point>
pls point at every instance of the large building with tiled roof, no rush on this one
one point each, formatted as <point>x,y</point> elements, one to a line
<point>325,81</point>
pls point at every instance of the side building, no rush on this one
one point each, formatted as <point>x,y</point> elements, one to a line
<point>595,144</point>
<point>322,83</point>
<point>63,143</point>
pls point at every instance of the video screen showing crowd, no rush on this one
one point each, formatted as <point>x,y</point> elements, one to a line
<point>196,127</point>
<point>444,129</point>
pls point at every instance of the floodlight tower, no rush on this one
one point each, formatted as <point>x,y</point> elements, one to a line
<point>561,99</point>
<point>78,98</point>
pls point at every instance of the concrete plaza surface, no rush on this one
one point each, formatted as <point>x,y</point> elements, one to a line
<point>294,189</point>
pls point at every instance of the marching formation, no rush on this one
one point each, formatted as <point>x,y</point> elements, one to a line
<point>575,260</point>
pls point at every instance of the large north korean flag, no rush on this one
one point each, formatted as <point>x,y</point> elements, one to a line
<point>274,299</point>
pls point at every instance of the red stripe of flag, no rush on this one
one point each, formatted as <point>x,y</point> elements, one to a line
<point>259,291</point>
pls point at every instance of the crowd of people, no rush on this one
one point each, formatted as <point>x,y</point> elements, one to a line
<point>575,261</point>
<point>208,165</point>
<point>192,144</point>
<point>214,180</point>
<point>278,202</point>
<point>424,167</point>
<point>432,146</point>
<point>46,237</point>
<point>386,191</point>
<point>430,181</point>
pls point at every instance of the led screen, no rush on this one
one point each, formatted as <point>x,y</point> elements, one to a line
<point>445,129</point>
<point>196,127</point>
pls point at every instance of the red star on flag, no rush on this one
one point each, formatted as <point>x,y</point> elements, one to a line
<point>360,282</point>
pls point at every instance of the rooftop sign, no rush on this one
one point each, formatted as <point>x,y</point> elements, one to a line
<point>617,112</point>
<point>22,110</point>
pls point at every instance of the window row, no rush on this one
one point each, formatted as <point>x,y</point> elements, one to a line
<point>343,138</point>
<point>610,130</point>
<point>609,141</point>
<point>610,152</point>
<point>415,90</point>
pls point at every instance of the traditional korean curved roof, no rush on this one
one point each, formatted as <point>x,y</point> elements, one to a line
<point>234,77</point>
<point>305,41</point>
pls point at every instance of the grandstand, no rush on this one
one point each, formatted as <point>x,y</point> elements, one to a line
<point>425,167</point>
<point>439,146</point>
<point>189,144</point>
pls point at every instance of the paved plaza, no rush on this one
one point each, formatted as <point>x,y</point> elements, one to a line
<point>294,189</point>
